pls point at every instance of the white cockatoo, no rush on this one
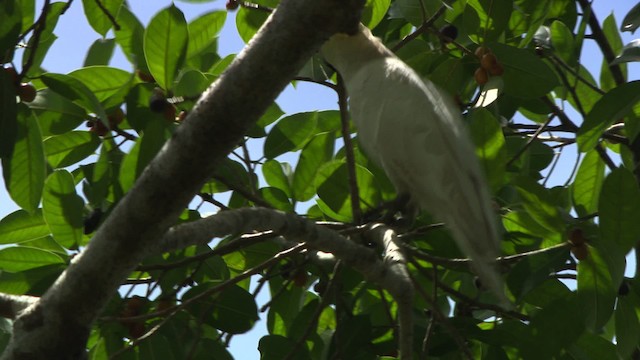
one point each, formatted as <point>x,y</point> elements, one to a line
<point>415,133</point>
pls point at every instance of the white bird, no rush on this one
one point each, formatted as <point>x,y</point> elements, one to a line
<point>415,133</point>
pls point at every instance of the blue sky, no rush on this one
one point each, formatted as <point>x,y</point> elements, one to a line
<point>75,36</point>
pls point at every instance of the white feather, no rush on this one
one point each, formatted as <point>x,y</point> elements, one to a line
<point>415,133</point>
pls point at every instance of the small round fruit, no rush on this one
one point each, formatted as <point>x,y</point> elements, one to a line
<point>99,128</point>
<point>145,76</point>
<point>164,304</point>
<point>12,74</point>
<point>449,31</point>
<point>580,252</point>
<point>576,237</point>
<point>116,117</point>
<point>488,61</point>
<point>300,278</point>
<point>481,51</point>
<point>158,102</point>
<point>481,76</point>
<point>135,303</point>
<point>136,330</point>
<point>170,113</point>
<point>232,4</point>
<point>496,69</point>
<point>26,92</point>
<point>623,290</point>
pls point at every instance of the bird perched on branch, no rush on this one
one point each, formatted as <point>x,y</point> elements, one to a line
<point>415,133</point>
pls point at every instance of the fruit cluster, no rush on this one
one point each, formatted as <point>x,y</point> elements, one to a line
<point>578,243</point>
<point>114,118</point>
<point>25,91</point>
<point>489,65</point>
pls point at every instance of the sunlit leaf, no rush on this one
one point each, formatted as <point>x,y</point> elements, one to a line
<point>165,45</point>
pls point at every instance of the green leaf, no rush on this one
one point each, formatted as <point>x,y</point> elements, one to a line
<point>232,310</point>
<point>619,209</point>
<point>627,325</point>
<point>629,53</point>
<point>62,208</point>
<point>105,82</point>
<point>272,114</point>
<point>631,20</point>
<point>145,149</point>
<point>279,347</point>
<point>492,18</point>
<point>332,187</point>
<point>540,204</point>
<point>317,152</point>
<point>596,289</point>
<point>96,16</point>
<point>291,133</point>
<point>586,187</point>
<point>130,37</point>
<point>8,115</point>
<point>70,148</point>
<point>165,45</point>
<point>411,10</point>
<point>74,90</point>
<point>525,75</point>
<point>100,52</point>
<point>56,113</point>
<point>21,258</point>
<point>46,39</point>
<point>248,21</point>
<point>611,108</point>
<point>592,346</point>
<point>22,226</point>
<point>203,32</point>
<point>278,175</point>
<point>374,11</point>
<point>24,171</point>
<point>10,13</point>
<point>557,326</point>
<point>487,135</point>
<point>610,30</point>
<point>277,198</point>
<point>563,42</point>
<point>191,83</point>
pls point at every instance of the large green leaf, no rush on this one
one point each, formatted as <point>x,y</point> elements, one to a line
<point>130,37</point>
<point>10,13</point>
<point>596,289</point>
<point>586,187</point>
<point>627,325</point>
<point>62,208</point>
<point>525,75</point>
<point>24,171</point>
<point>22,226</point>
<point>165,45</point>
<point>96,16</point>
<point>56,113</point>
<point>21,258</point>
<point>290,134</point>
<point>203,32</point>
<point>611,108</point>
<point>316,153</point>
<point>540,204</point>
<point>610,30</point>
<point>248,21</point>
<point>278,175</point>
<point>45,40</point>
<point>374,11</point>
<point>70,148</point>
<point>619,209</point>
<point>487,135</point>
<point>76,91</point>
<point>490,20</point>
<point>144,150</point>
<point>100,52</point>
<point>106,83</point>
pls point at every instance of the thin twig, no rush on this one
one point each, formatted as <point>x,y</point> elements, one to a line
<point>106,12</point>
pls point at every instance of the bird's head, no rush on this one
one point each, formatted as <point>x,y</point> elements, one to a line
<point>348,51</point>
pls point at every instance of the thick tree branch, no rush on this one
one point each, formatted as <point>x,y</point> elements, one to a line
<point>12,305</point>
<point>214,127</point>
